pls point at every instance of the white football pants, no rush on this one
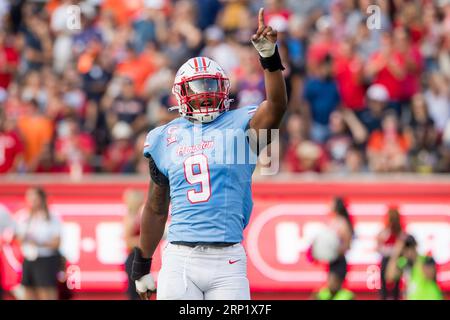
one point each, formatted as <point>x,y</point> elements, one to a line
<point>203,273</point>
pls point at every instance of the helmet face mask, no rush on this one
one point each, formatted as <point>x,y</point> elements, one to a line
<point>202,93</point>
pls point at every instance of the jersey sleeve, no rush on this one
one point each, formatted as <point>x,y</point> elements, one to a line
<point>244,115</point>
<point>155,173</point>
<point>153,152</point>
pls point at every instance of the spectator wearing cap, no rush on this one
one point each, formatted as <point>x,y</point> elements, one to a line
<point>120,151</point>
<point>377,98</point>
<point>419,271</point>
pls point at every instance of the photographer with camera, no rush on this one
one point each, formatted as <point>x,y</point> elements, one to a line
<point>418,271</point>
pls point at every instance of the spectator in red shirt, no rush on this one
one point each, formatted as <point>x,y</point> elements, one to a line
<point>322,43</point>
<point>47,163</point>
<point>413,60</point>
<point>348,69</point>
<point>388,67</point>
<point>277,14</point>
<point>73,149</point>
<point>120,151</point>
<point>302,154</point>
<point>11,147</point>
<point>410,17</point>
<point>9,59</point>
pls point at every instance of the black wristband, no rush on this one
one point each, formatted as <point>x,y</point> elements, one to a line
<point>272,63</point>
<point>141,266</point>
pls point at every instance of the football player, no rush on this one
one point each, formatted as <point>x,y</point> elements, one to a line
<point>210,200</point>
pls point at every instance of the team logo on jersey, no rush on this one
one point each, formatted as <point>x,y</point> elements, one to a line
<point>183,150</point>
<point>171,135</point>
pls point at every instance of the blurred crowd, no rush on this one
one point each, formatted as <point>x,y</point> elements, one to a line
<point>369,87</point>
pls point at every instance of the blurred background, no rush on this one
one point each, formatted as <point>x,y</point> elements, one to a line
<point>82,82</point>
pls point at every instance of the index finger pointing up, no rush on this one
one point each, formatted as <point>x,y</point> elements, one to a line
<point>261,18</point>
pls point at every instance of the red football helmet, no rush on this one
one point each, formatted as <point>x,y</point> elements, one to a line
<point>202,89</point>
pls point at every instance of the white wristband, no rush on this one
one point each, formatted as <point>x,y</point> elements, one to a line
<point>265,47</point>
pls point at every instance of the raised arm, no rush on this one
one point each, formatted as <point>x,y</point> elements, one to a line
<point>270,111</point>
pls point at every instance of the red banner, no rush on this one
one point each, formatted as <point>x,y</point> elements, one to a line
<point>284,220</point>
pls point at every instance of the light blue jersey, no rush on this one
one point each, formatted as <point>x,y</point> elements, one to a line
<point>210,181</point>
